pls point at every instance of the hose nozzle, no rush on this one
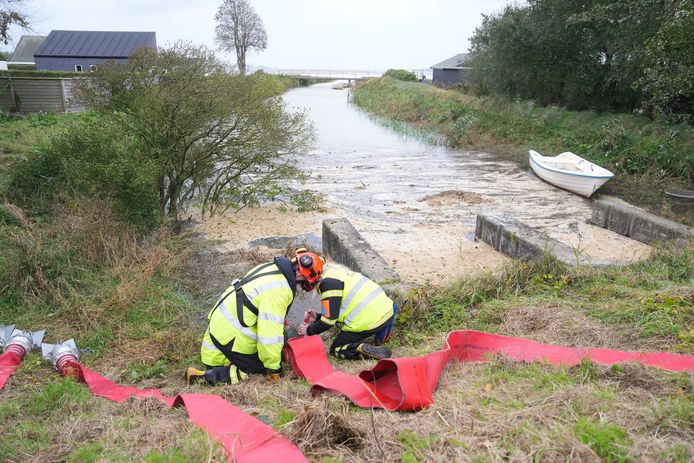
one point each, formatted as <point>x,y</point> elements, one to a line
<point>21,342</point>
<point>60,354</point>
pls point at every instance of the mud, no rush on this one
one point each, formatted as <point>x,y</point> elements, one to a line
<point>416,203</point>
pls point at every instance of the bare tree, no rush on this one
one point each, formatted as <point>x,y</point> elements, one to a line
<point>239,29</point>
<point>10,14</point>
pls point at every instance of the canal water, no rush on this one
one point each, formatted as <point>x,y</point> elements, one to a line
<point>416,203</point>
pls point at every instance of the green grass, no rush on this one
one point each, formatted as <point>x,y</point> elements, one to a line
<point>61,418</point>
<point>609,441</point>
<point>654,297</point>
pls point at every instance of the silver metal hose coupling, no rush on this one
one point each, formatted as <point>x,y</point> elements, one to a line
<point>5,333</point>
<point>20,342</point>
<point>60,354</point>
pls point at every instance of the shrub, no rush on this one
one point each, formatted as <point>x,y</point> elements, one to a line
<point>401,74</point>
<point>93,158</point>
<point>224,139</point>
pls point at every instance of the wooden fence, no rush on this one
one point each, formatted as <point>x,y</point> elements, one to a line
<point>38,94</point>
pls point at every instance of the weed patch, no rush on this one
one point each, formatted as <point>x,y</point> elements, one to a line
<point>609,441</point>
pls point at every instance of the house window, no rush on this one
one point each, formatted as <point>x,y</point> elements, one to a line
<point>78,68</point>
<point>93,67</point>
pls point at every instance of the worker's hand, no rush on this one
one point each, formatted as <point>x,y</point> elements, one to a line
<point>301,329</point>
<point>310,316</point>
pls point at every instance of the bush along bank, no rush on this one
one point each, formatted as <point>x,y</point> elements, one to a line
<point>633,146</point>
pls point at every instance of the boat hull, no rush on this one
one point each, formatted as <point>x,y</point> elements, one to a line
<point>581,184</point>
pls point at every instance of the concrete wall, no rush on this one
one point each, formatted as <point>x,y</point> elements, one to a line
<point>638,224</point>
<point>345,245</point>
<point>519,241</point>
<point>36,94</point>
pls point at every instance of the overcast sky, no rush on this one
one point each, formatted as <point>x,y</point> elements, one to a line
<point>316,34</point>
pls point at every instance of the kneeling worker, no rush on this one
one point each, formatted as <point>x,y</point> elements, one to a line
<point>360,307</point>
<point>246,331</point>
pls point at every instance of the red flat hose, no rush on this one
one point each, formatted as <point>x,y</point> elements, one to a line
<point>406,384</point>
<point>244,438</point>
<point>10,361</point>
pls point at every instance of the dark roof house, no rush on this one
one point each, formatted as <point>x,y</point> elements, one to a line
<point>451,72</point>
<point>85,50</point>
<point>23,54</point>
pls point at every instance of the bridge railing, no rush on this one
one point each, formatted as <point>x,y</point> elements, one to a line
<point>341,73</point>
<point>327,73</point>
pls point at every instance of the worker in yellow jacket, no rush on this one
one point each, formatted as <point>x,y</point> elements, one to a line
<point>246,331</point>
<point>360,307</point>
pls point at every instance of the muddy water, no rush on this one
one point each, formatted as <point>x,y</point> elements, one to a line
<point>417,203</point>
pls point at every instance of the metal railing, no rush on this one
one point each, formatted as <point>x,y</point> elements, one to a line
<point>340,73</point>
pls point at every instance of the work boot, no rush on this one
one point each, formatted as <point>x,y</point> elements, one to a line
<point>374,352</point>
<point>194,376</point>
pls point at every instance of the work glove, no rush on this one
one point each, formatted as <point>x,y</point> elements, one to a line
<point>310,316</point>
<point>273,376</point>
<point>301,329</point>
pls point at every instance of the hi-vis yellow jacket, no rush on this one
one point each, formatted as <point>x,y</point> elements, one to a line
<point>249,317</point>
<point>364,305</point>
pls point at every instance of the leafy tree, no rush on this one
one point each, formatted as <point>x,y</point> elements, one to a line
<point>10,14</point>
<point>225,140</point>
<point>587,54</point>
<point>668,77</point>
<point>239,29</point>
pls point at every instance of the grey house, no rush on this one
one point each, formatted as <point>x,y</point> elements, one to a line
<point>452,71</point>
<point>79,51</point>
<point>23,55</point>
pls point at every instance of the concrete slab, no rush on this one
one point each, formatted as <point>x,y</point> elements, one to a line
<point>638,224</point>
<point>519,241</point>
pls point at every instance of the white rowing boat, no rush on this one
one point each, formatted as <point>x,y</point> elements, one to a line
<point>569,172</point>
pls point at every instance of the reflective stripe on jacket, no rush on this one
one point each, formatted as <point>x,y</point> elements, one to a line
<point>270,293</point>
<point>365,305</point>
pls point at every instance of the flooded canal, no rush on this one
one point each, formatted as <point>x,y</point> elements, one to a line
<point>414,202</point>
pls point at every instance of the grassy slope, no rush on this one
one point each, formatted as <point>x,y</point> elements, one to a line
<point>141,312</point>
<point>647,156</point>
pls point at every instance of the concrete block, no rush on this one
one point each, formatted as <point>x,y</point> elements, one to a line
<point>488,230</point>
<point>508,242</point>
<point>519,241</point>
<point>601,214</point>
<point>639,224</point>
<point>345,245</point>
<point>619,221</point>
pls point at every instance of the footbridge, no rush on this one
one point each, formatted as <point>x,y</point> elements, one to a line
<point>326,73</point>
<point>344,74</point>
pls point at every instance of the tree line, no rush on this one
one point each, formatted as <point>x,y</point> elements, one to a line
<point>622,55</point>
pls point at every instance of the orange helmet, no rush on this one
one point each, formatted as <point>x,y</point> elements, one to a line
<point>310,265</point>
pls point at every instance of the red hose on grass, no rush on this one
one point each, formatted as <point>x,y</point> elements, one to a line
<point>407,384</point>
<point>244,438</point>
<point>9,362</point>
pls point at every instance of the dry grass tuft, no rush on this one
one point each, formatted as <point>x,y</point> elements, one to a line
<point>17,214</point>
<point>319,427</point>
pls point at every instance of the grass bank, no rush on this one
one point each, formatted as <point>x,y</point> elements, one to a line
<point>647,156</point>
<point>80,272</point>
<point>137,302</point>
